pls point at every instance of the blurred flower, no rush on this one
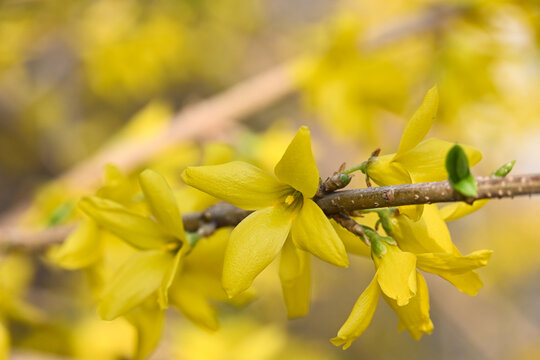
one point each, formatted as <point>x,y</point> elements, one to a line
<point>16,272</point>
<point>163,243</point>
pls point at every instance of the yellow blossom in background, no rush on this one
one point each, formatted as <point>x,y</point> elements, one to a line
<point>98,339</point>
<point>16,273</point>
<point>282,205</point>
<point>198,284</point>
<point>242,338</point>
<point>85,245</point>
<point>345,86</point>
<point>4,342</point>
<point>163,243</point>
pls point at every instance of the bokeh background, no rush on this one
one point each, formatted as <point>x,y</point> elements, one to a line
<point>81,76</point>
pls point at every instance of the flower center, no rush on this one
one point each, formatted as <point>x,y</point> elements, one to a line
<point>293,200</point>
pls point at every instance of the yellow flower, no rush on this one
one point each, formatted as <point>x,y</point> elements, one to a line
<point>84,246</point>
<point>294,274</point>
<point>430,240</point>
<point>416,160</point>
<point>200,281</point>
<point>283,206</point>
<point>396,278</point>
<point>163,244</point>
<point>427,246</point>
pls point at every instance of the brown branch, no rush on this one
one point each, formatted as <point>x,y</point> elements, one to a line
<point>223,214</point>
<point>220,111</point>
<point>427,193</point>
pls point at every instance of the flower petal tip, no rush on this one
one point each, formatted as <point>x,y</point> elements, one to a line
<point>185,175</point>
<point>231,293</point>
<point>105,313</point>
<point>343,262</point>
<point>402,301</point>
<point>339,341</point>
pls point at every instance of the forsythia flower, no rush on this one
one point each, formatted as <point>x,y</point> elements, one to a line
<point>163,244</point>
<point>430,237</point>
<point>404,288</point>
<point>84,246</point>
<point>416,160</point>
<point>396,277</point>
<point>283,206</point>
<point>426,245</point>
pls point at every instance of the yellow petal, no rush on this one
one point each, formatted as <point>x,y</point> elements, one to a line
<point>384,172</point>
<point>237,183</point>
<point>172,271</point>
<point>188,298</point>
<point>420,123</point>
<point>81,248</point>
<point>413,212</point>
<point>450,263</point>
<point>426,161</point>
<point>207,255</point>
<point>118,187</point>
<point>207,284</point>
<point>136,230</point>
<point>254,243</point>
<point>397,274</point>
<point>427,235</point>
<point>353,244</point>
<point>415,315</point>
<point>162,203</point>
<point>468,282</point>
<point>134,282</point>
<point>360,317</point>
<point>294,273</point>
<point>148,322</point>
<point>297,167</point>
<point>312,232</point>
<point>457,210</point>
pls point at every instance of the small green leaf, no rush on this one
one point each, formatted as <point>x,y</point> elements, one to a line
<point>378,248</point>
<point>505,169</point>
<point>459,174</point>
<point>60,214</point>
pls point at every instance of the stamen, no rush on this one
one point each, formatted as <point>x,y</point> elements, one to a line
<point>289,199</point>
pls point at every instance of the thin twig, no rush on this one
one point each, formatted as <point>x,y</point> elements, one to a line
<point>223,214</point>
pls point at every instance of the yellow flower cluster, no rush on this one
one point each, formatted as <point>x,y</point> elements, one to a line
<point>161,263</point>
<point>286,220</point>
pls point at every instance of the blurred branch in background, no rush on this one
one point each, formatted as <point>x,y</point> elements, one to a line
<point>214,115</point>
